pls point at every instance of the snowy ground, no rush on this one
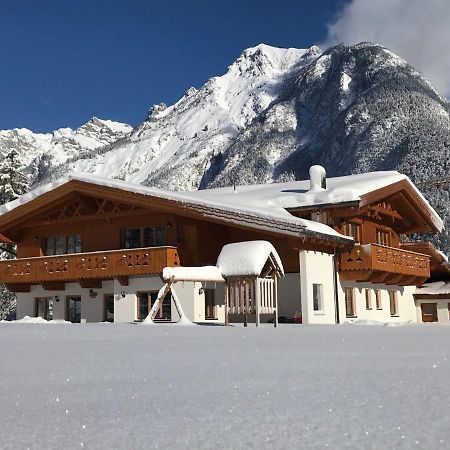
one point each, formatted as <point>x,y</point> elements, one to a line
<point>124,386</point>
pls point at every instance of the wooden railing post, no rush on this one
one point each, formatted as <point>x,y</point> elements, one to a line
<point>257,299</point>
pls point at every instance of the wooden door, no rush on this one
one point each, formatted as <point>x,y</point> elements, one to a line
<point>429,312</point>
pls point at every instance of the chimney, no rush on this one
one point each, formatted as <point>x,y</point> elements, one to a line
<point>317,178</point>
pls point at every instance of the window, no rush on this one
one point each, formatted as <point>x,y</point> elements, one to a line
<point>54,245</point>
<point>74,243</point>
<point>154,236</point>
<point>317,297</point>
<point>149,237</point>
<point>429,312</point>
<point>350,302</point>
<point>393,301</point>
<point>378,299</point>
<point>368,299</point>
<point>353,230</point>
<point>146,301</point>
<point>59,245</point>
<point>210,304</point>
<point>383,237</point>
<point>132,238</point>
<point>73,309</point>
<point>109,308</point>
<point>44,307</point>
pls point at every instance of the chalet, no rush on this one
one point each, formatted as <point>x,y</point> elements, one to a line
<point>93,249</point>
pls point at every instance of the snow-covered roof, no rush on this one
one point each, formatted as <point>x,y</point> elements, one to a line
<point>297,194</point>
<point>261,213</point>
<point>237,259</point>
<point>437,288</point>
<point>246,258</point>
<point>261,206</point>
<point>205,273</point>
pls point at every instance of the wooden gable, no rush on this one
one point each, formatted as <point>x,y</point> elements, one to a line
<point>81,207</point>
<point>408,211</point>
<point>398,206</point>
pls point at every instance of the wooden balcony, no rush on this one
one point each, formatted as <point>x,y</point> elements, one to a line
<point>376,263</point>
<point>86,268</point>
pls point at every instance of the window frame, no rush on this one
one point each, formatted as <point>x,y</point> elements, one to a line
<point>349,293</point>
<point>105,307</point>
<point>317,289</point>
<point>353,229</point>
<point>50,250</point>
<point>47,300</point>
<point>124,238</point>
<point>157,231</point>
<point>77,299</point>
<point>393,303</point>
<point>150,304</point>
<point>378,302</point>
<point>212,306</point>
<point>368,296</point>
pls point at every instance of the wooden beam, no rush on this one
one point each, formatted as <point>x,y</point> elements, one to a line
<point>124,281</point>
<point>91,283</point>
<point>54,285</point>
<point>379,277</point>
<point>5,239</point>
<point>431,296</point>
<point>355,275</point>
<point>407,280</point>
<point>419,281</point>
<point>19,287</point>
<point>394,278</point>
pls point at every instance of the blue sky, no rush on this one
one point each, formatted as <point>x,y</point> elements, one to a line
<point>64,61</point>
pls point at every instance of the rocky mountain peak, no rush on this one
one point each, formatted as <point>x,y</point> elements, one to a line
<point>155,110</point>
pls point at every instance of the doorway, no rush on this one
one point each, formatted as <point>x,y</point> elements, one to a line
<point>44,307</point>
<point>429,312</point>
<point>73,308</point>
<point>146,301</point>
<point>108,315</point>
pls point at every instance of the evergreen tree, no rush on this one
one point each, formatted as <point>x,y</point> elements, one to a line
<point>13,183</point>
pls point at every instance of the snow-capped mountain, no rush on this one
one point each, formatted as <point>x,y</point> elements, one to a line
<point>269,117</point>
<point>201,125</point>
<point>41,152</point>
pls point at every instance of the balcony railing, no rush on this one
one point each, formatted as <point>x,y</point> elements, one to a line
<point>95,265</point>
<point>370,258</point>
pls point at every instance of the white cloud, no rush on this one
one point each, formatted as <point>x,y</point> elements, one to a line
<point>416,30</point>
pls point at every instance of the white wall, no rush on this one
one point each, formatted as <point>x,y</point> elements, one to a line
<point>405,302</point>
<point>442,308</point>
<point>125,300</point>
<point>92,308</point>
<point>187,293</point>
<point>125,304</point>
<point>317,267</point>
<point>200,303</point>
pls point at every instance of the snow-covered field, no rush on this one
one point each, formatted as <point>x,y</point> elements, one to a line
<point>126,386</point>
